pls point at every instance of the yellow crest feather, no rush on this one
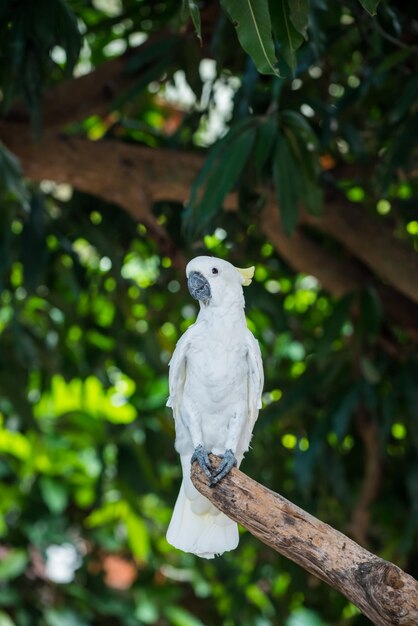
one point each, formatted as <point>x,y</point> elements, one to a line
<point>247,274</point>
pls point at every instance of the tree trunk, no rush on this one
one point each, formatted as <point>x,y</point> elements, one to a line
<point>383,592</point>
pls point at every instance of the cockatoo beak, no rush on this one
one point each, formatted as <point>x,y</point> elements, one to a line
<point>199,287</point>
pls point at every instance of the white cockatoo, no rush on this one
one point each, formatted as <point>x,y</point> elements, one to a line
<point>216,382</point>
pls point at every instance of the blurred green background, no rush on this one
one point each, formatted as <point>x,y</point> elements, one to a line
<point>93,295</point>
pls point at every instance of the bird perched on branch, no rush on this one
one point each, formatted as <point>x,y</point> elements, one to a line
<point>216,382</point>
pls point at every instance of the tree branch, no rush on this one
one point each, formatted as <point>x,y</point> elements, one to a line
<point>134,177</point>
<point>369,239</point>
<point>338,275</point>
<point>126,175</point>
<point>347,222</point>
<point>381,590</point>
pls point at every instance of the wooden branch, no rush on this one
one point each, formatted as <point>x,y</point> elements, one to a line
<point>370,240</point>
<point>338,275</point>
<point>381,590</point>
<point>134,177</point>
<point>129,175</point>
<point>126,175</point>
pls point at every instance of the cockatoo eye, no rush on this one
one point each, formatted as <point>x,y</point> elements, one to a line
<point>215,270</point>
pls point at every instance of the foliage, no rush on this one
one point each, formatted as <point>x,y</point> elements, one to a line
<point>91,309</point>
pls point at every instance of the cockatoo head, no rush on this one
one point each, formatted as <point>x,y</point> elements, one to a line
<point>214,281</point>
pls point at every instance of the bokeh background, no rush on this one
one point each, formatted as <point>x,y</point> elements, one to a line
<point>110,109</point>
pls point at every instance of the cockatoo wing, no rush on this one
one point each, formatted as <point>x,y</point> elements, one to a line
<point>177,371</point>
<point>255,388</point>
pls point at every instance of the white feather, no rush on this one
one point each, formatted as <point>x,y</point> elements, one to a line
<point>196,526</point>
<point>216,382</point>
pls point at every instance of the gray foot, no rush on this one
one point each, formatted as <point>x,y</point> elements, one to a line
<point>202,457</point>
<point>228,462</point>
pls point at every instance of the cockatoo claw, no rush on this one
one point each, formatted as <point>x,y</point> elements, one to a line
<point>228,462</point>
<point>202,457</point>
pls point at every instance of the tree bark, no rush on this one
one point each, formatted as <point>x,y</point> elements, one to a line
<point>339,275</point>
<point>122,174</point>
<point>381,590</point>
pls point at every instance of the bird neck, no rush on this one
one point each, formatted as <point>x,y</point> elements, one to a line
<point>228,318</point>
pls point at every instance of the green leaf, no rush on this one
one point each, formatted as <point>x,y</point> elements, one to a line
<point>68,35</point>
<point>305,462</point>
<point>147,610</point>
<point>391,60</point>
<point>220,174</point>
<point>54,494</point>
<point>304,145</point>
<point>9,596</point>
<point>138,536</point>
<point>344,411</point>
<point>33,243</point>
<point>6,243</point>
<point>286,180</point>
<point>308,164</point>
<point>11,176</point>
<point>190,7</point>
<point>369,371</point>
<point>13,564</point>
<point>190,57</point>
<point>304,617</point>
<point>403,144</point>
<point>300,124</point>
<point>370,5</point>
<point>259,598</point>
<point>14,45</point>
<point>266,136</point>
<point>107,514</point>
<point>288,37</point>
<point>180,617</point>
<point>332,326</point>
<point>251,19</point>
<point>63,617</point>
<point>299,15</point>
<point>371,313</point>
<point>406,99</point>
<point>5,619</point>
<point>54,23</point>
